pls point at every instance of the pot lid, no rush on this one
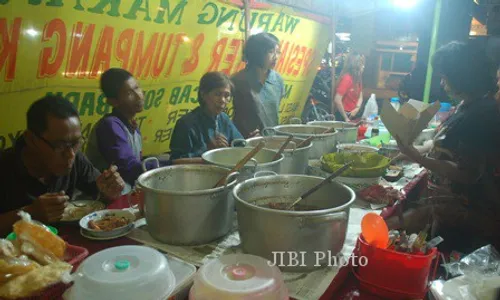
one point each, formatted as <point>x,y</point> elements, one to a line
<point>126,272</point>
<point>239,275</point>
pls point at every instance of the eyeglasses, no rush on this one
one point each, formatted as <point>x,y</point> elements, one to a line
<point>60,147</point>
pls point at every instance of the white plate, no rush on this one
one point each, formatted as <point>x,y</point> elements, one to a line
<point>103,238</point>
<point>79,212</point>
<point>356,148</point>
<point>358,184</point>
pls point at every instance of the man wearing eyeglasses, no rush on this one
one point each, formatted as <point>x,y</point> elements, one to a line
<point>45,167</point>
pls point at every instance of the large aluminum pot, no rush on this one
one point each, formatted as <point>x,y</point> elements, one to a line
<point>295,161</point>
<point>229,157</point>
<point>182,207</point>
<point>322,143</point>
<point>347,132</point>
<point>317,234</point>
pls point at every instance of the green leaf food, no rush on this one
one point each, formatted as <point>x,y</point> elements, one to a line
<point>365,165</point>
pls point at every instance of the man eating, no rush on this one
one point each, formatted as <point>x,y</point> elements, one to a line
<point>45,168</point>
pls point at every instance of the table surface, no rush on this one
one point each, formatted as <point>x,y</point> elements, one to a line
<point>344,285</point>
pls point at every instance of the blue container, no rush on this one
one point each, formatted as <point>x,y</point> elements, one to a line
<point>445,107</point>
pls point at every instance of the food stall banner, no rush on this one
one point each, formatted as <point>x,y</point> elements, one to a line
<point>62,46</point>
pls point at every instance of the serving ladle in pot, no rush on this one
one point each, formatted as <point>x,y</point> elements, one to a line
<point>321,184</point>
<point>241,163</point>
<point>309,139</point>
<point>283,147</point>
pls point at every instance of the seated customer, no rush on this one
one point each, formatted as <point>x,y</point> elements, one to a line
<point>116,139</point>
<point>207,127</point>
<point>45,167</point>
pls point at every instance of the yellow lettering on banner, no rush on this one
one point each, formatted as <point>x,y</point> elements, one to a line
<point>62,47</point>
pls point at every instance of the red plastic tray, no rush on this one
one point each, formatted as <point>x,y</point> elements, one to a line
<point>74,256</point>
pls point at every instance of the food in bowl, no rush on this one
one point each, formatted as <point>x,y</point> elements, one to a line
<point>378,194</point>
<point>282,203</point>
<point>108,223</point>
<point>364,165</point>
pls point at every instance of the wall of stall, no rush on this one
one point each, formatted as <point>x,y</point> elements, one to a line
<point>62,47</point>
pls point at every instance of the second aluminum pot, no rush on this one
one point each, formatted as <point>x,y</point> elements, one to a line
<point>182,207</point>
<point>295,161</point>
<point>267,232</point>
<point>347,132</point>
<point>323,143</point>
<point>229,157</point>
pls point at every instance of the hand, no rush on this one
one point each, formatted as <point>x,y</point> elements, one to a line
<point>355,111</point>
<point>220,141</point>
<point>409,150</point>
<point>49,208</point>
<point>254,133</point>
<point>399,157</point>
<point>110,183</point>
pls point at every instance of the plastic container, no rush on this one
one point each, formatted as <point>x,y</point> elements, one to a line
<point>395,275</point>
<point>12,236</point>
<point>443,113</point>
<point>184,276</point>
<point>75,255</point>
<point>125,273</point>
<point>371,107</point>
<point>395,103</point>
<point>238,276</point>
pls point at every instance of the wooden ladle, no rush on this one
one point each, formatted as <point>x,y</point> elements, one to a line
<point>283,147</point>
<point>241,163</point>
<point>319,185</point>
<point>309,139</point>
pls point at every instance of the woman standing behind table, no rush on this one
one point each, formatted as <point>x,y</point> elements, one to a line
<point>463,203</point>
<point>348,100</point>
<point>207,127</point>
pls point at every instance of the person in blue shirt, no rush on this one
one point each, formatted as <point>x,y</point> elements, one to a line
<point>207,127</point>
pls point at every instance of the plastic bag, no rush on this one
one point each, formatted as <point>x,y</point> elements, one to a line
<point>485,261</point>
<point>371,107</point>
<point>38,241</point>
<point>479,277</point>
<point>466,288</point>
